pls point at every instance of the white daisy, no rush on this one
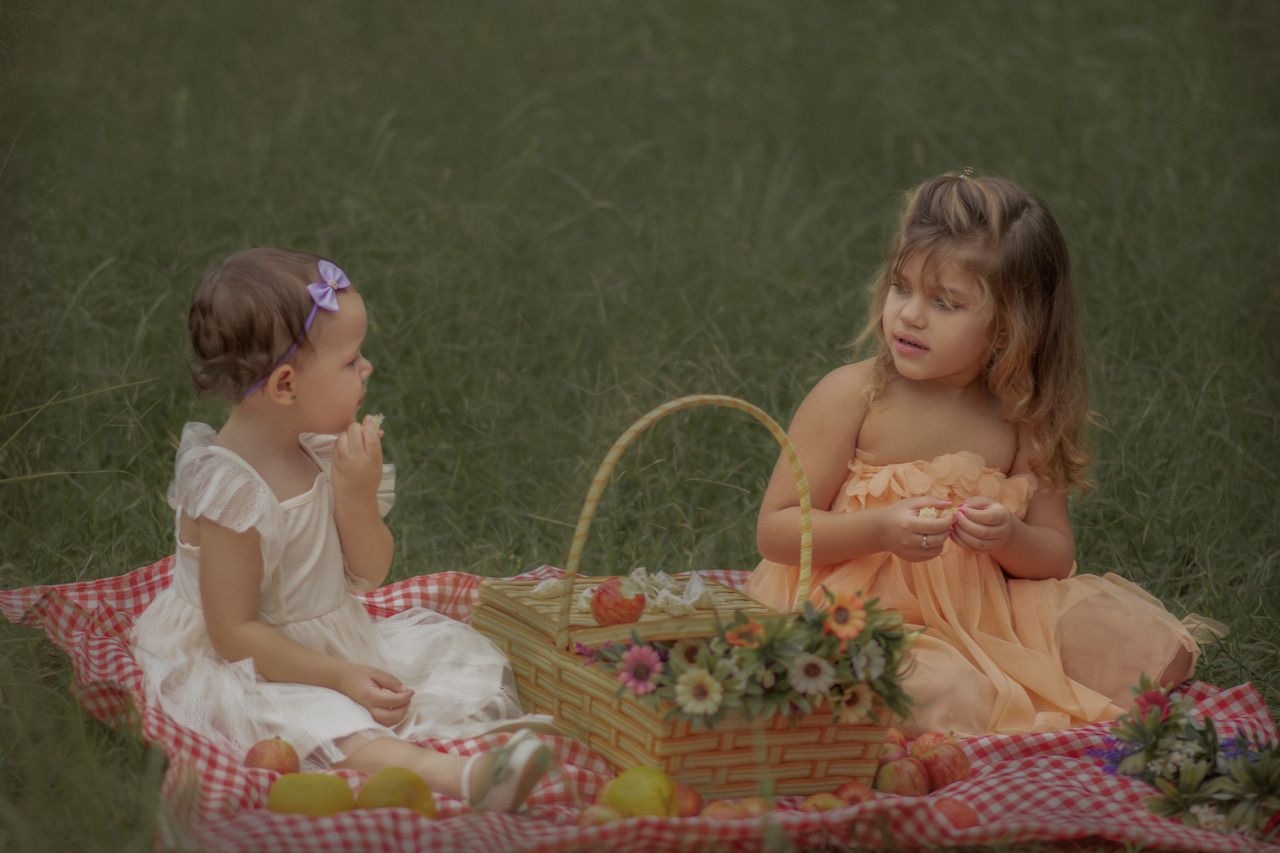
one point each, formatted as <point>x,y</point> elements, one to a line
<point>697,692</point>
<point>811,675</point>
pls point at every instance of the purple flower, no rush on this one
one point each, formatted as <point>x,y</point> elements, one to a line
<point>1111,753</point>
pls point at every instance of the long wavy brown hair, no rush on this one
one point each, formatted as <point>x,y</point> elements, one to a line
<point>1007,239</point>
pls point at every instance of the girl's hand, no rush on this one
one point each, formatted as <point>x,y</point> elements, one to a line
<point>983,524</point>
<point>913,538</point>
<point>381,692</point>
<point>357,462</point>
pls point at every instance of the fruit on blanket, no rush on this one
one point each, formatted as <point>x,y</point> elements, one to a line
<point>311,794</point>
<point>274,753</point>
<point>755,806</point>
<point>890,753</point>
<point>904,776</point>
<point>823,801</point>
<point>723,810</point>
<point>393,787</point>
<point>943,759</point>
<point>643,790</point>
<point>960,813</point>
<point>617,601</point>
<point>598,813</point>
<point>927,741</point>
<point>688,800</point>
<point>855,792</point>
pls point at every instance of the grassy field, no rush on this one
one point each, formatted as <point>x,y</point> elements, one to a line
<point>564,213</point>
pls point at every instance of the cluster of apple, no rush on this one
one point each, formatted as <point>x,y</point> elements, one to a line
<point>920,766</point>
<point>320,794</point>
<point>640,791</point>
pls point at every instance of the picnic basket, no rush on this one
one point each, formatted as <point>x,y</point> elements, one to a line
<point>782,755</point>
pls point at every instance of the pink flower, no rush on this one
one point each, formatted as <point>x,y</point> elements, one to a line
<point>641,667</point>
<point>1149,699</point>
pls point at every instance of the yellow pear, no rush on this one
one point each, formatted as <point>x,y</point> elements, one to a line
<point>393,787</point>
<point>643,791</point>
<point>313,794</point>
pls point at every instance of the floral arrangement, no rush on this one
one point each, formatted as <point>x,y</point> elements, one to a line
<point>1227,784</point>
<point>848,657</point>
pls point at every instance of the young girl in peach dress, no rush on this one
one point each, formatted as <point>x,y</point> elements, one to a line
<point>940,470</point>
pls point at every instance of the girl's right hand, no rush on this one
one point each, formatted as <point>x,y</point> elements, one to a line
<point>386,698</point>
<point>905,534</point>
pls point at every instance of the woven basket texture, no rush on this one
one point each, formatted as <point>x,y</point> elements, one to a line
<point>782,755</point>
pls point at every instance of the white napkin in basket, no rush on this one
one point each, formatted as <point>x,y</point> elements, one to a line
<point>662,592</point>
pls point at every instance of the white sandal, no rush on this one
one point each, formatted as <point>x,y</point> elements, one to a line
<point>517,766</point>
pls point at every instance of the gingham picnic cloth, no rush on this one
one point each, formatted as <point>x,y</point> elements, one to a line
<point>1024,788</point>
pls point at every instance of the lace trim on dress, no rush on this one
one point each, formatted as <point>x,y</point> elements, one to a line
<point>216,484</point>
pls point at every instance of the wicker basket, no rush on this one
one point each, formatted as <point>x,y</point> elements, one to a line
<point>781,754</point>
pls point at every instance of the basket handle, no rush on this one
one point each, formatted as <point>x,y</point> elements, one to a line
<point>611,459</point>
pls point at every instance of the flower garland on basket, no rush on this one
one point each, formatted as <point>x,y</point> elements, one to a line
<point>849,657</point>
<point>1228,784</point>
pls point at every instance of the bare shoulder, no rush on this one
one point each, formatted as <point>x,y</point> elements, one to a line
<point>837,405</point>
<point>1024,454</point>
<point>846,384</point>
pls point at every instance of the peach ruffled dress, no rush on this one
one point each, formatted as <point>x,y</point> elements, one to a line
<point>999,655</point>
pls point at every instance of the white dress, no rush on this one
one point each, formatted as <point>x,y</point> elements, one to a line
<point>463,684</point>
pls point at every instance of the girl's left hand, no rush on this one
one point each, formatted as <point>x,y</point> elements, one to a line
<point>982,524</point>
<point>357,462</point>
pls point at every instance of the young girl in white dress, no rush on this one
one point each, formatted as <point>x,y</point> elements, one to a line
<point>278,519</point>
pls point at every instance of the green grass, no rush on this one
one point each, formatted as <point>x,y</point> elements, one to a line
<point>564,213</point>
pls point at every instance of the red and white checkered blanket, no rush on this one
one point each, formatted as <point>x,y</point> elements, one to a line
<point>1024,788</point>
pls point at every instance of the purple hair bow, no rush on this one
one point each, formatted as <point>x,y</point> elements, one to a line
<point>324,294</point>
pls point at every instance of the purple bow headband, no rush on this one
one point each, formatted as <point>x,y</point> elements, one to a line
<point>324,294</point>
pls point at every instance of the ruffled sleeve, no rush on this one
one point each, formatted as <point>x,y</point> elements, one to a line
<point>321,447</point>
<point>213,483</point>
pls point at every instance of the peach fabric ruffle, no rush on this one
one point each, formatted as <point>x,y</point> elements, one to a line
<point>999,655</point>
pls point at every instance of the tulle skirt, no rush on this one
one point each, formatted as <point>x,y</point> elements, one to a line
<point>462,683</point>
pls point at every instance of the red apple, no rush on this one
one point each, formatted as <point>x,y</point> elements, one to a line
<point>273,754</point>
<point>598,813</point>
<point>616,602</point>
<point>945,763</point>
<point>755,806</point>
<point>890,753</point>
<point>823,801</point>
<point>723,810</point>
<point>896,737</point>
<point>688,801</point>
<point>905,776</point>
<point>961,815</point>
<point>855,792</point>
<point>927,741</point>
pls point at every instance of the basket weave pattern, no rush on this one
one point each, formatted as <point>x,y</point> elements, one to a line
<point>794,755</point>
